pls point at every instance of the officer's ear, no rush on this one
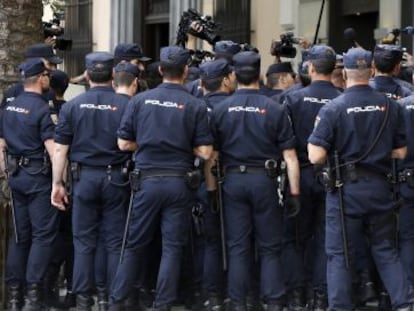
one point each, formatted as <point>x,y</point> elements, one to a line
<point>344,75</point>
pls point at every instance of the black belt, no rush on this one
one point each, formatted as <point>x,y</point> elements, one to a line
<point>360,172</point>
<point>24,161</point>
<point>103,167</point>
<point>159,172</point>
<point>242,169</point>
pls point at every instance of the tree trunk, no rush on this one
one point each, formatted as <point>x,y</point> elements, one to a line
<point>20,26</point>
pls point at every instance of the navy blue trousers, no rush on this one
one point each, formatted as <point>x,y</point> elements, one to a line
<point>99,208</point>
<point>37,226</point>
<point>368,209</point>
<point>251,210</point>
<point>406,230</point>
<point>164,202</point>
<point>308,227</point>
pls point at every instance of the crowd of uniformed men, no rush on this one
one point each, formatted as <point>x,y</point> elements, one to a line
<point>114,190</point>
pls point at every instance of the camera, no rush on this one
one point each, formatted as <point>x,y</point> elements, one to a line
<point>53,29</point>
<point>199,56</point>
<point>209,32</point>
<point>284,47</point>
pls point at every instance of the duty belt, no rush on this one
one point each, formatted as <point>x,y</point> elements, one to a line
<point>160,172</point>
<point>25,161</point>
<point>243,169</point>
<point>354,173</point>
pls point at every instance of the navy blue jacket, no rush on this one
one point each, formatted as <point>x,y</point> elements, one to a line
<point>303,107</point>
<point>26,124</point>
<point>351,122</point>
<point>88,123</point>
<point>167,123</point>
<point>389,87</point>
<point>408,107</point>
<point>250,128</point>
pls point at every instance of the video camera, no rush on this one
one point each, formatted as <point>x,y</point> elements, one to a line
<point>209,27</point>
<point>53,29</point>
<point>284,47</point>
<point>199,56</point>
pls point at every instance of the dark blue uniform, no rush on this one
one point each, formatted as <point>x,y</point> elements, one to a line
<point>389,87</point>
<point>250,129</point>
<point>88,123</point>
<point>303,107</point>
<point>406,167</point>
<point>349,125</point>
<point>25,126</point>
<point>167,123</point>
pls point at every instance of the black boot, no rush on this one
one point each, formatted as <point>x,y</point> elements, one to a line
<point>162,308</point>
<point>119,306</point>
<point>33,300</point>
<point>214,303</point>
<point>253,303</point>
<point>366,288</point>
<point>84,302</point>
<point>102,299</point>
<point>406,308</point>
<point>384,302</point>
<point>320,301</point>
<point>238,306</point>
<point>276,305</point>
<point>297,300</point>
<point>15,298</point>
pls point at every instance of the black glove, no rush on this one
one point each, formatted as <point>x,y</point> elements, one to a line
<point>292,206</point>
<point>212,199</point>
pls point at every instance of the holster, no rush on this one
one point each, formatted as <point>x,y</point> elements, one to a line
<point>194,178</point>
<point>12,165</point>
<point>326,178</point>
<point>271,168</point>
<point>75,170</point>
<point>135,180</point>
<point>127,168</point>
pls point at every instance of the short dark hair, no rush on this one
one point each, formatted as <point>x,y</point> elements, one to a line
<point>385,65</point>
<point>212,85</point>
<point>172,71</point>
<point>123,78</point>
<point>324,66</point>
<point>100,76</point>
<point>248,77</point>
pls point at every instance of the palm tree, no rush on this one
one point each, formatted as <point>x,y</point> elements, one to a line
<point>20,26</point>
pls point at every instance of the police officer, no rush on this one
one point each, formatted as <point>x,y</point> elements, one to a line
<point>279,77</point>
<point>362,131</point>
<point>167,127</point>
<point>387,62</point>
<point>253,132</point>
<point>303,107</point>
<point>406,217</point>
<point>50,59</point>
<point>132,53</point>
<point>63,254</point>
<point>218,82</point>
<point>87,124</point>
<point>26,132</point>
<point>126,79</point>
<point>224,49</point>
